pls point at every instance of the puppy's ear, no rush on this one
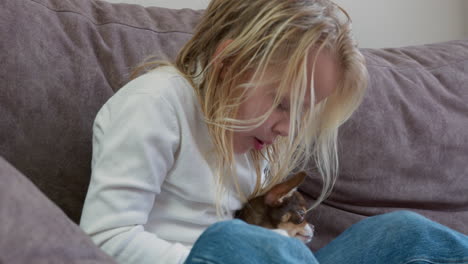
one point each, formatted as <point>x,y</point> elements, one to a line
<point>274,197</point>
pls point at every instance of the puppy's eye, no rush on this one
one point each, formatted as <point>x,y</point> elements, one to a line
<point>300,215</point>
<point>301,212</point>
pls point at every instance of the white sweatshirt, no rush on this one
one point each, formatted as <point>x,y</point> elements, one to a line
<point>152,190</point>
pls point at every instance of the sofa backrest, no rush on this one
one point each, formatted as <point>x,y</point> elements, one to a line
<point>60,61</point>
<point>405,147</point>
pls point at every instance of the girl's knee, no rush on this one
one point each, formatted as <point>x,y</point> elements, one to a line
<point>406,232</point>
<point>226,228</point>
<point>398,222</point>
<point>400,218</point>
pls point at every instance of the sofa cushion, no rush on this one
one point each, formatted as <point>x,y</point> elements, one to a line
<point>35,230</point>
<point>60,61</point>
<point>407,145</point>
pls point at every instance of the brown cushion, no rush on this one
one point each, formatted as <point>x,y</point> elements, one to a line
<point>407,145</point>
<point>60,61</point>
<point>35,230</point>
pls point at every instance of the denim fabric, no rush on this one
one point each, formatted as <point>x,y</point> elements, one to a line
<point>235,242</point>
<point>396,238</point>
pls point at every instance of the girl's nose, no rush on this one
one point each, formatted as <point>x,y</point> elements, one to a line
<point>282,127</point>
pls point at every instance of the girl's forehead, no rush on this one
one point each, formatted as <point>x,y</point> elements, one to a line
<point>327,73</point>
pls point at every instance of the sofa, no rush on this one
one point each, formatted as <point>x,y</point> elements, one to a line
<point>406,147</point>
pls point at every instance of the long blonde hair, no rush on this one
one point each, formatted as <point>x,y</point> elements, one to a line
<point>266,33</point>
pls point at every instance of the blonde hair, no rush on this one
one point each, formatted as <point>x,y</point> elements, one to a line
<point>265,33</point>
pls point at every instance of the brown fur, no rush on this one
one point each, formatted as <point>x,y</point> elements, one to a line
<point>282,207</point>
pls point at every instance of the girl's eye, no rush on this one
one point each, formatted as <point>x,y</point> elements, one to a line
<point>283,106</point>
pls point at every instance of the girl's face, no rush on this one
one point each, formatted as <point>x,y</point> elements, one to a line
<point>326,78</point>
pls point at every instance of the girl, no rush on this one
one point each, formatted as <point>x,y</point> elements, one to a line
<point>261,82</point>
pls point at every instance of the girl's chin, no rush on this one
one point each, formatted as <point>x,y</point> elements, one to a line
<point>243,149</point>
<point>240,150</point>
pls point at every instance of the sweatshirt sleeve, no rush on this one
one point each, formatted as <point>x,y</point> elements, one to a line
<point>134,146</point>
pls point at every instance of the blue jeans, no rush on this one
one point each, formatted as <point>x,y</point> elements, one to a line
<point>400,237</point>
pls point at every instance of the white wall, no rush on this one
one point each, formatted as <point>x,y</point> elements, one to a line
<point>392,23</point>
<point>465,10</point>
<point>383,23</point>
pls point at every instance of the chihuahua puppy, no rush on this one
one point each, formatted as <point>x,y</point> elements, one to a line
<point>282,207</point>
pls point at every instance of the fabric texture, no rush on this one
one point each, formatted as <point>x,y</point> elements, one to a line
<point>397,237</point>
<point>153,183</point>
<point>234,241</point>
<point>406,146</point>
<point>60,61</point>
<point>34,230</point>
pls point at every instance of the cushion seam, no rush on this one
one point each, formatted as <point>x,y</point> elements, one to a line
<point>418,66</point>
<point>108,23</point>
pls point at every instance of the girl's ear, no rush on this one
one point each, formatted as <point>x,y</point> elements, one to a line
<point>222,45</point>
<point>274,197</point>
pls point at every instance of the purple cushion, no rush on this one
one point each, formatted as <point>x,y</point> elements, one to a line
<point>35,230</point>
<point>60,61</point>
<point>407,145</point>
